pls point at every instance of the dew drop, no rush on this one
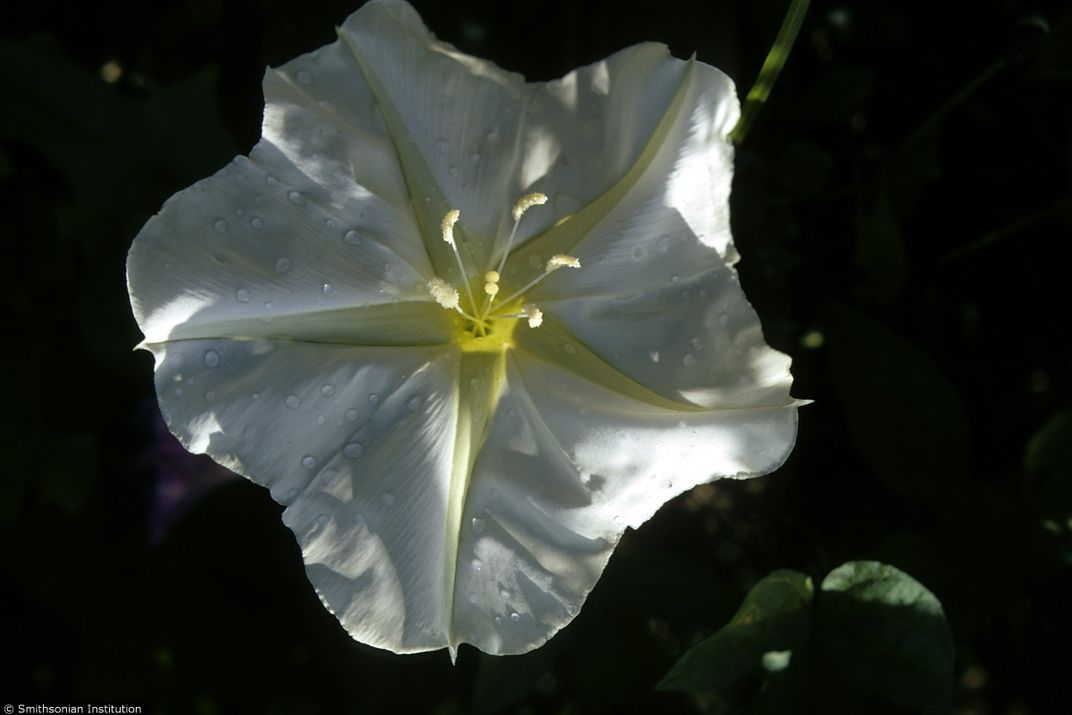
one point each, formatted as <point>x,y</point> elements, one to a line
<point>330,223</point>
<point>352,237</point>
<point>321,419</point>
<point>724,319</point>
<point>689,360</point>
<point>329,476</point>
<point>478,565</point>
<point>351,414</point>
<point>282,265</point>
<point>373,398</point>
<point>242,295</point>
<point>308,461</point>
<point>504,593</point>
<point>296,198</point>
<point>269,305</point>
<point>256,397</point>
<point>654,355</point>
<point>637,253</point>
<point>318,523</point>
<point>327,390</point>
<point>305,77</point>
<point>328,289</point>
<point>271,181</point>
<point>212,358</point>
<point>479,525</point>
<point>514,616</point>
<point>663,244</point>
<point>696,343</point>
<point>569,348</point>
<point>474,157</point>
<point>453,171</point>
<point>498,621</point>
<point>239,212</point>
<point>210,395</point>
<point>220,226</point>
<point>292,401</point>
<point>353,450</point>
<point>674,279</point>
<point>256,222</point>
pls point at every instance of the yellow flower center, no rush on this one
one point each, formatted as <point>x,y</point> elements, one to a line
<point>487,323</point>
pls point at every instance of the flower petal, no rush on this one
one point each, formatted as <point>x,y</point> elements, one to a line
<point>566,467</point>
<point>357,443</point>
<point>241,248</point>
<point>454,120</point>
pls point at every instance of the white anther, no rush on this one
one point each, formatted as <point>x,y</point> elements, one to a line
<point>526,202</point>
<point>444,293</point>
<point>534,314</point>
<point>491,277</point>
<point>556,262</point>
<point>491,289</point>
<point>447,226</point>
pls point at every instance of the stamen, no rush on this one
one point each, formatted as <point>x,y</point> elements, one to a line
<point>526,202</point>
<point>534,314</point>
<point>555,262</point>
<point>447,226</point>
<point>523,204</point>
<point>444,293</point>
<point>561,260</point>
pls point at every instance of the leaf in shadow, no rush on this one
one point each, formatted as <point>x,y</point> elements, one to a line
<point>773,617</point>
<point>886,633</point>
<point>906,419</point>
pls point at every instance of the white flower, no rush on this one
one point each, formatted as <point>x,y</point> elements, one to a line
<point>456,479</point>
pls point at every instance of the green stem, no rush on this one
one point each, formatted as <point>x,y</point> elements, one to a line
<point>772,66</point>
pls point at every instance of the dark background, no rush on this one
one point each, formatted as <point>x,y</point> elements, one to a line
<point>901,204</point>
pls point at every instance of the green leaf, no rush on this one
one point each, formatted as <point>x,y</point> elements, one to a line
<point>887,633</point>
<point>908,422</point>
<point>773,617</point>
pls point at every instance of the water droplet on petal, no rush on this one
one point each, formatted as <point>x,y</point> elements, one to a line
<point>479,525</point>
<point>373,398</point>
<point>329,476</point>
<point>453,171</point>
<point>327,390</point>
<point>689,360</point>
<point>220,226</point>
<point>271,181</point>
<point>353,450</point>
<point>637,252</point>
<point>504,593</point>
<point>498,621</point>
<point>308,461</point>
<point>296,198</point>
<point>654,355</point>
<point>514,616</point>
<point>330,223</point>
<point>212,358</point>
<point>242,295</point>
<point>478,565</point>
<point>239,212</point>
<point>724,319</point>
<point>321,419</point>
<point>292,401</point>
<point>352,237</point>
<point>328,289</point>
<point>696,343</point>
<point>305,77</point>
<point>210,396</point>
<point>282,265</point>
<point>256,397</point>
<point>674,279</point>
<point>351,414</point>
<point>663,244</point>
<point>256,222</point>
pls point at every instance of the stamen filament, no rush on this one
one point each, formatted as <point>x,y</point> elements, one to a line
<point>447,227</point>
<point>555,262</point>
